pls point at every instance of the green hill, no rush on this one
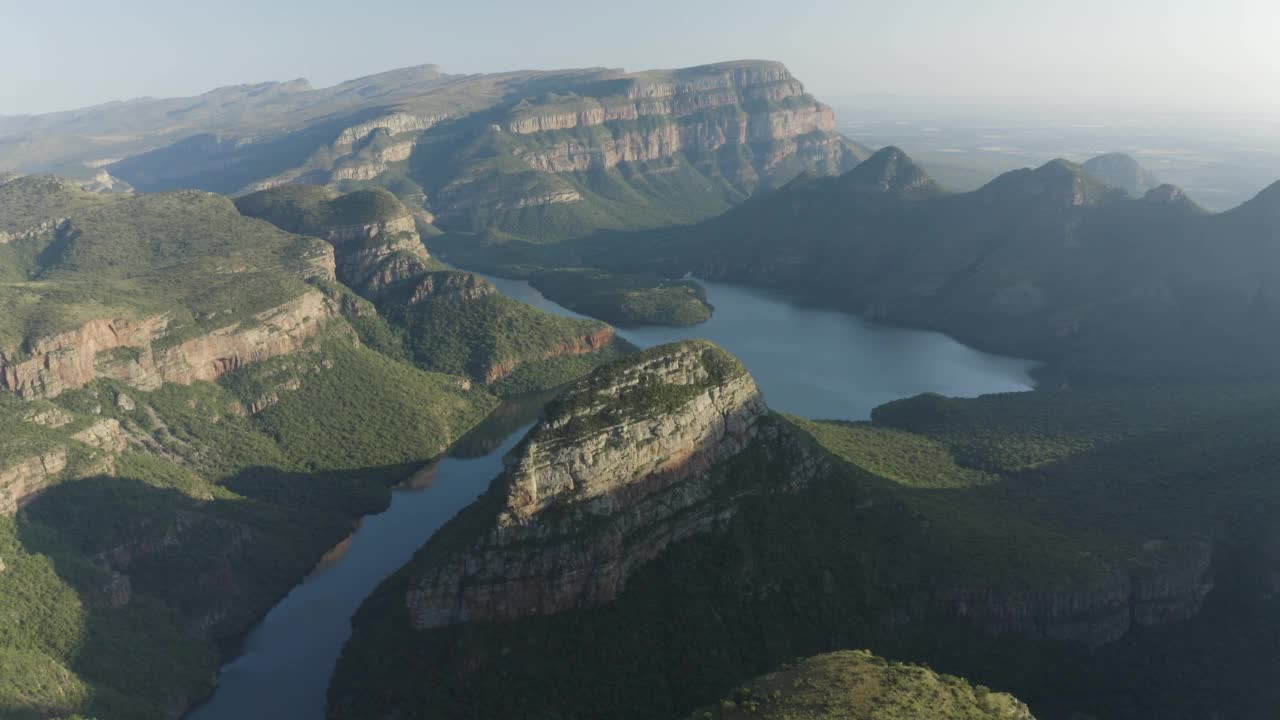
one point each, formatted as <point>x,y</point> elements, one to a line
<point>856,685</point>
<point>445,320</point>
<point>198,425</point>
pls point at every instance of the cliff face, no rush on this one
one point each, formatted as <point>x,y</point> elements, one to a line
<point>621,468</point>
<point>750,125</point>
<point>477,150</point>
<point>70,360</point>
<point>22,480</point>
<point>1171,592</point>
<point>585,344</point>
<point>374,236</point>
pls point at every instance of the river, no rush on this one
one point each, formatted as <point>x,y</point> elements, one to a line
<point>811,362</point>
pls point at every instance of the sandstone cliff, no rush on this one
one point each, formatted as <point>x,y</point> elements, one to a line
<point>747,125</point>
<point>1165,588</point>
<point>622,467</point>
<point>48,366</point>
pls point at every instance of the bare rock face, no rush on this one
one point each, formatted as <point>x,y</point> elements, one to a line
<point>749,123</point>
<point>25,478</point>
<point>106,434</point>
<point>1168,586</point>
<point>621,468</point>
<point>70,360</point>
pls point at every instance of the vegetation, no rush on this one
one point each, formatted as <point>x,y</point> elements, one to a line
<point>315,210</point>
<point>463,327</point>
<point>625,299</point>
<point>187,255</point>
<point>121,589</point>
<point>492,338</point>
<point>856,685</point>
<point>1047,263</point>
<point>1035,493</point>
<point>621,391</point>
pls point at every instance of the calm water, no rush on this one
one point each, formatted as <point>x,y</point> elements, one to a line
<point>814,363</point>
<point>289,657</point>
<point>821,363</point>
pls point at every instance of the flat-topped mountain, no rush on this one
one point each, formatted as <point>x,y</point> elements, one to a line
<point>1049,263</point>
<point>542,154</point>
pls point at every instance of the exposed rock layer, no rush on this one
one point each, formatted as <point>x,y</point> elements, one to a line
<point>73,359</point>
<point>599,488</point>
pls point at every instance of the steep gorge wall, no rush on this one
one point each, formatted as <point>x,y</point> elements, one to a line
<point>1172,592</point>
<point>73,359</point>
<point>757,105</point>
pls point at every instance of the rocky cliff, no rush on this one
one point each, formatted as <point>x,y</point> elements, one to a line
<point>726,130</point>
<point>374,236</point>
<point>620,468</point>
<point>1159,591</point>
<point>503,150</point>
<point>126,350</point>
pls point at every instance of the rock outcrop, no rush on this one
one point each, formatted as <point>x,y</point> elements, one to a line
<point>124,349</point>
<point>624,465</point>
<point>25,478</point>
<point>374,237</point>
<point>651,122</point>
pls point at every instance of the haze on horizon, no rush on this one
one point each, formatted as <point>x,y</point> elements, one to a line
<point>1165,54</point>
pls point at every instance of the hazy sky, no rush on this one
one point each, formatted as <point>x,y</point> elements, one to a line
<point>1177,53</point>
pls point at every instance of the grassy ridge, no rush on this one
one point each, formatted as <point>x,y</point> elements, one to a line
<point>625,299</point>
<point>856,685</point>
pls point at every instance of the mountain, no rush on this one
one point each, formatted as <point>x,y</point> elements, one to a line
<point>1122,171</point>
<point>190,421</point>
<point>1047,263</point>
<point>444,320</point>
<point>542,154</point>
<point>661,537</point>
<point>856,685</point>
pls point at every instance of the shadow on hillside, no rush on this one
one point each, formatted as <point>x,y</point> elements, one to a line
<point>172,571</point>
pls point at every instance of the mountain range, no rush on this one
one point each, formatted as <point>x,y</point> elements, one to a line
<point>1050,263</point>
<point>229,329</point>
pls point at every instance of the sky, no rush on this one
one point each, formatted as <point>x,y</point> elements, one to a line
<point>1172,54</point>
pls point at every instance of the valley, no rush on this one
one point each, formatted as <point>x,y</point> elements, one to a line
<point>581,393</point>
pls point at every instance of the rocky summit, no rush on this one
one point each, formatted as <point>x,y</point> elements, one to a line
<point>618,470</point>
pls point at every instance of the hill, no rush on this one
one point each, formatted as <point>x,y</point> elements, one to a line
<point>1051,544</point>
<point>445,320</point>
<point>1047,263</point>
<point>1122,171</point>
<point>189,423</point>
<point>856,685</point>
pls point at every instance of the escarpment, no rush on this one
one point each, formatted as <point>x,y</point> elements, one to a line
<point>127,350</point>
<point>624,465</point>
<point>742,126</point>
<point>1095,614</point>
